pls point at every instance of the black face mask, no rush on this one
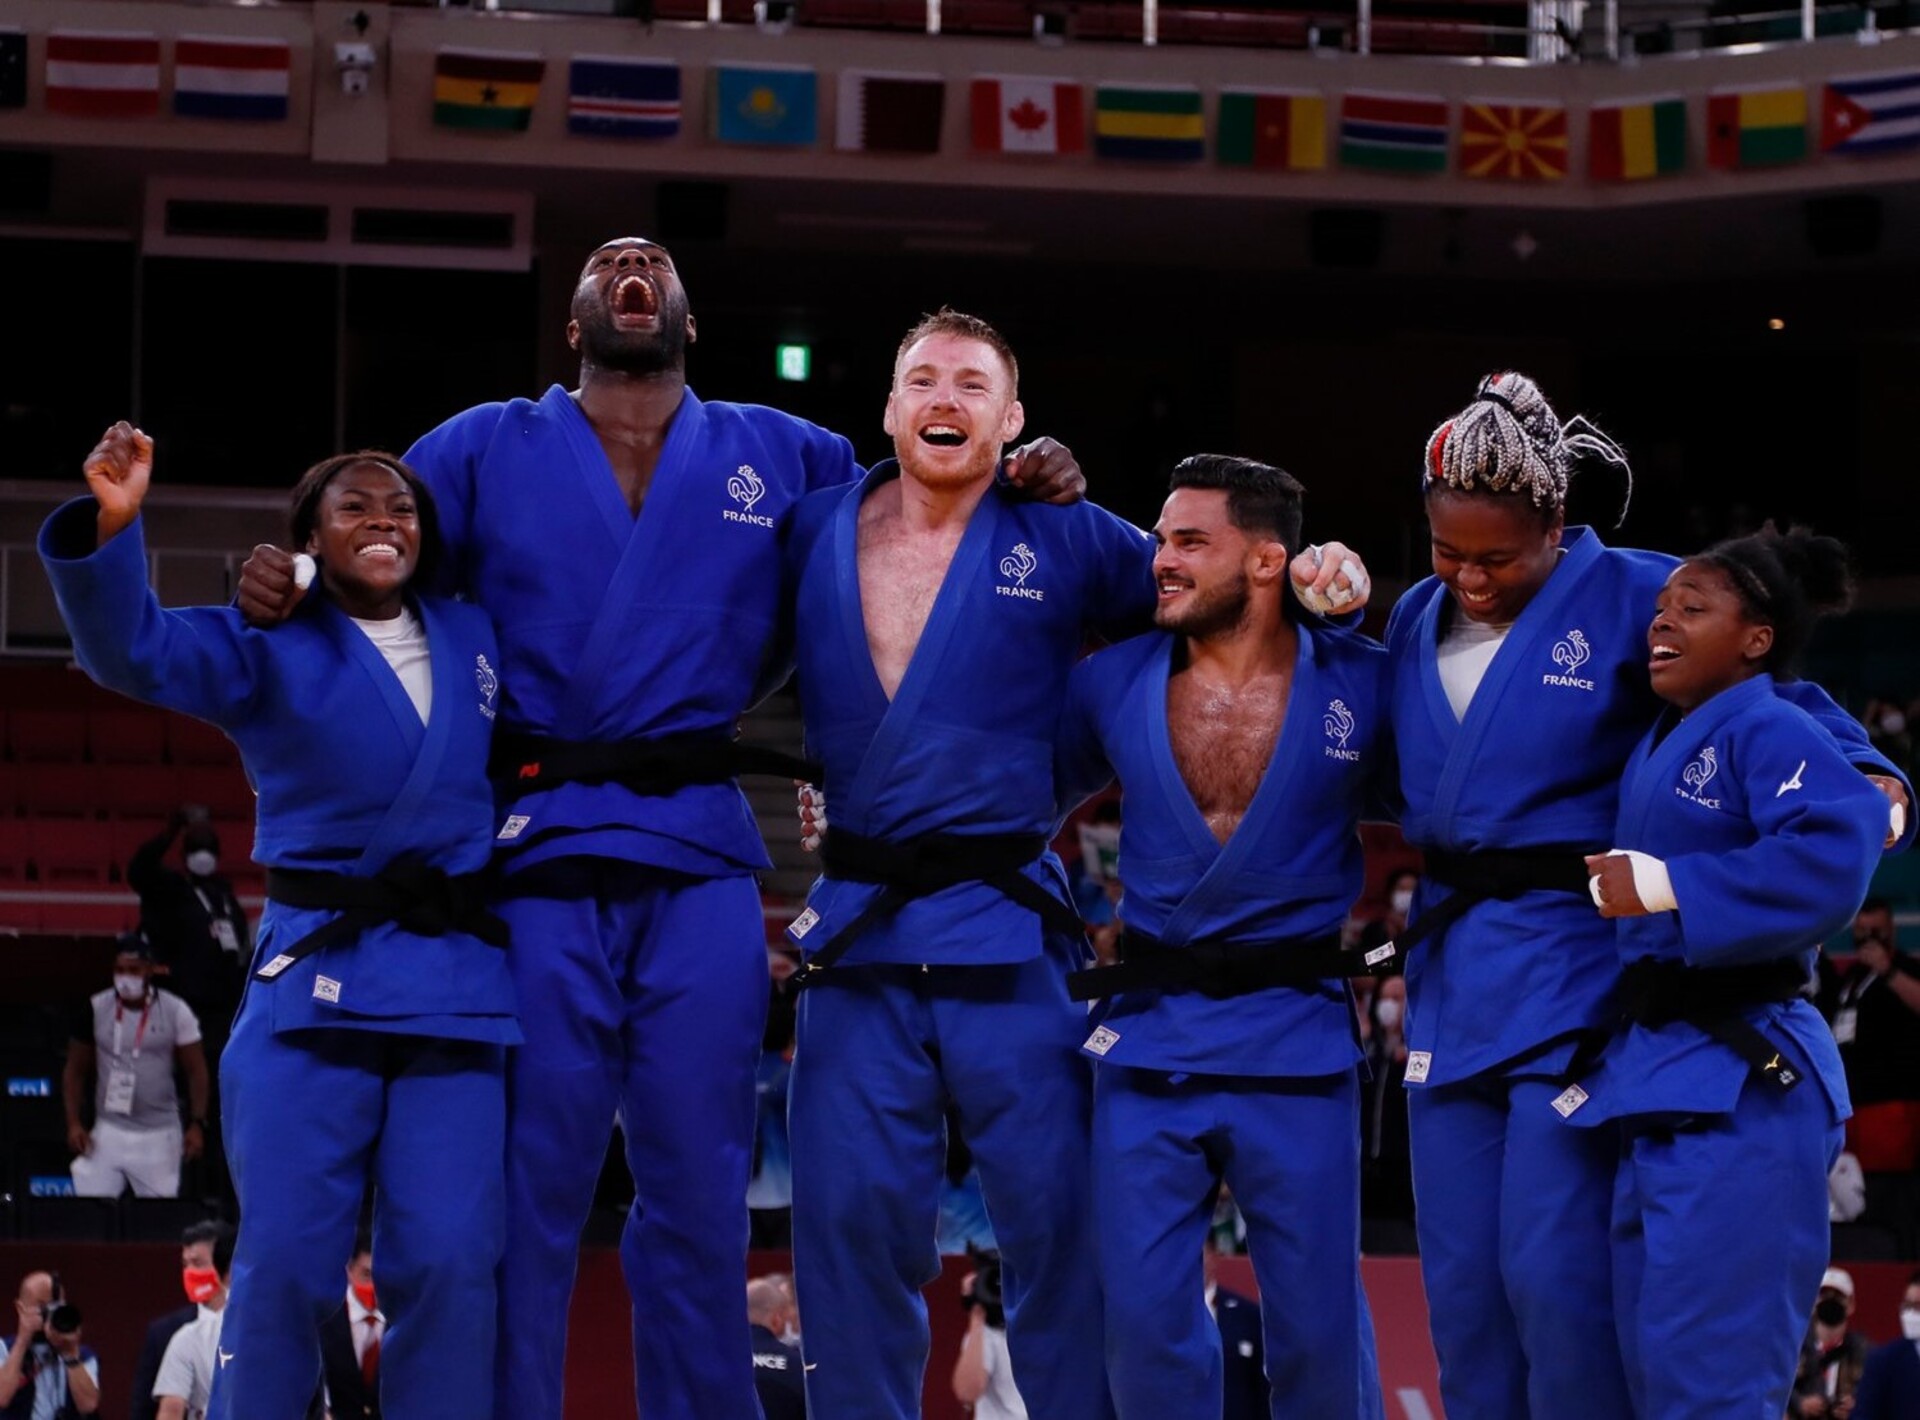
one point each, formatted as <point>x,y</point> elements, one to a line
<point>1830,1311</point>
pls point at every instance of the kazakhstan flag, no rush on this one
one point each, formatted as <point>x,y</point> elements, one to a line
<point>769,104</point>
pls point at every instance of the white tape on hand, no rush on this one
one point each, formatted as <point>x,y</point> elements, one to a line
<point>1651,882</point>
<point>305,569</point>
<point>1897,820</point>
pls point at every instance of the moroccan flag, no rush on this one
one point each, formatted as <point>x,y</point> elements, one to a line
<point>1641,139</point>
<point>1270,129</point>
<point>1160,124</point>
<point>1394,133</point>
<point>103,74</point>
<point>623,98</point>
<point>889,113</point>
<point>1871,113</point>
<point>486,88</point>
<point>1756,128</point>
<point>13,69</point>
<point>1515,142</point>
<point>219,76</point>
<point>772,104</point>
<point>1028,115</point>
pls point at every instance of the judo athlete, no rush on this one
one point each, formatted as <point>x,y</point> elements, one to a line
<point>1744,839</point>
<point>369,1047</point>
<point>1247,745</point>
<point>1519,692</point>
<point>626,540</point>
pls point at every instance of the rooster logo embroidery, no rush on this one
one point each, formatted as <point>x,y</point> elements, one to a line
<point>1019,563</point>
<point>1701,769</point>
<point>1572,653</point>
<point>745,487</point>
<point>489,684</point>
<point>1339,722</point>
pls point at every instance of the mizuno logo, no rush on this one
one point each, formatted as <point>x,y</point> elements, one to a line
<point>1793,783</point>
<point>225,1356</point>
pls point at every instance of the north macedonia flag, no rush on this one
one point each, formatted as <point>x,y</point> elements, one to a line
<point>1524,142</point>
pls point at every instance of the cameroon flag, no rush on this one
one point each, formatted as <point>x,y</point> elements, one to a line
<point>1756,128</point>
<point>489,88</point>
<point>1272,129</point>
<point>1643,138</point>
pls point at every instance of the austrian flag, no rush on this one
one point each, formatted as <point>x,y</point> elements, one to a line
<point>1028,115</point>
<point>101,74</point>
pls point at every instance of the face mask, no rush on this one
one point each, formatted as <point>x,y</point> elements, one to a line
<point>790,1334</point>
<point>1892,723</point>
<point>202,1283</point>
<point>1388,1013</point>
<point>363,1291</point>
<point>128,987</point>
<point>201,862</point>
<point>1910,1323</point>
<point>1830,1311</point>
<point>1402,902</point>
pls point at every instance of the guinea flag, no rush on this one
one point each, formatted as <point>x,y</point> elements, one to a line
<point>1642,138</point>
<point>1272,128</point>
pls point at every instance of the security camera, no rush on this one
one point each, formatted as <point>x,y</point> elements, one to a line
<point>355,62</point>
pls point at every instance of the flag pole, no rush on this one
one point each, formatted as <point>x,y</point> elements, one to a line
<point>1150,21</point>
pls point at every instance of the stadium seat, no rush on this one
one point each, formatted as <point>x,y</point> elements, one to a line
<point>36,736</point>
<point>127,736</point>
<point>128,833</point>
<point>224,792</point>
<point>63,790</point>
<point>142,790</point>
<point>191,741</point>
<point>72,852</point>
<point>101,915</point>
<point>16,852</point>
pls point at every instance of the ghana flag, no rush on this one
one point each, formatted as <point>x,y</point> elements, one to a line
<point>486,88</point>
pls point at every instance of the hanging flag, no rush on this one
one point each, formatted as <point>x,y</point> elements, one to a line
<point>1158,123</point>
<point>1021,114</point>
<point>1871,113</point>
<point>889,113</point>
<point>103,74</point>
<point>1756,128</point>
<point>1272,129</point>
<point>774,104</point>
<point>219,76</point>
<point>1513,142</point>
<point>1394,133</point>
<point>486,88</point>
<point>623,98</point>
<point>1642,138</point>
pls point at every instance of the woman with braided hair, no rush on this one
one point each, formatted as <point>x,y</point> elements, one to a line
<point>1744,838</point>
<point>1520,691</point>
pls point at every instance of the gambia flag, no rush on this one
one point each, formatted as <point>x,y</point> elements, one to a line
<point>486,88</point>
<point>1756,128</point>
<point>1272,129</point>
<point>1394,133</point>
<point>1642,138</point>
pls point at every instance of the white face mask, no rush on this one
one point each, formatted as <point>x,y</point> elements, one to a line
<point>790,1335</point>
<point>1388,1013</point>
<point>1401,901</point>
<point>1910,1323</point>
<point>129,988</point>
<point>201,863</point>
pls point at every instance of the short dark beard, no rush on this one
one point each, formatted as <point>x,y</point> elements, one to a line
<point>1223,609</point>
<point>606,347</point>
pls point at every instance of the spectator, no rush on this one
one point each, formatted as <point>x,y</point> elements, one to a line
<point>1875,1013</point>
<point>350,1346</point>
<point>45,1371</point>
<point>777,1372</point>
<point>186,1371</point>
<point>130,1038</point>
<point>770,1187</point>
<point>200,1276</point>
<point>1890,1385</point>
<point>196,924</point>
<point>1832,1357</point>
<point>983,1376</point>
<point>1248,1396</point>
<point>1386,1164</point>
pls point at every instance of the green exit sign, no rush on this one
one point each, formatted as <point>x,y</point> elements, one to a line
<point>793,362</point>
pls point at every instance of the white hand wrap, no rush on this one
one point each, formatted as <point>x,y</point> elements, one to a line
<point>305,569</point>
<point>1650,881</point>
<point>1335,596</point>
<point>1897,820</point>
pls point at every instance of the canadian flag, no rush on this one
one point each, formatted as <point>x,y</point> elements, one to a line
<point>1026,115</point>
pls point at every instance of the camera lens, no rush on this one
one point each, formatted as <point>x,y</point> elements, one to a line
<point>64,1318</point>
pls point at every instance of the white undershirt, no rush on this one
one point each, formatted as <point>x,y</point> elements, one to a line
<point>1466,651</point>
<point>403,641</point>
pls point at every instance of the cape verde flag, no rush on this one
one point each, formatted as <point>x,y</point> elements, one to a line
<point>221,76</point>
<point>1871,113</point>
<point>623,98</point>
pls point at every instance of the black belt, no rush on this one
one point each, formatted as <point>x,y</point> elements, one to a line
<point>407,893</point>
<point>1216,969</point>
<point>1658,993</point>
<point>523,763</point>
<point>1486,875</point>
<point>928,864</point>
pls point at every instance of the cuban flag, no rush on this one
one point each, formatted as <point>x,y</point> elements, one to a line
<point>1871,113</point>
<point>219,76</point>
<point>623,98</point>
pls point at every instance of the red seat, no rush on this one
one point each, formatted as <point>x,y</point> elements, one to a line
<point>71,852</point>
<point>141,790</point>
<point>62,790</point>
<point>191,741</point>
<point>20,913</point>
<point>225,792</point>
<point>128,832</point>
<point>36,736</point>
<point>104,915</point>
<point>127,736</point>
<point>9,787</point>
<point>16,852</point>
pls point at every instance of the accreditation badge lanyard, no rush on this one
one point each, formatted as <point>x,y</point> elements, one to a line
<point>119,1098</point>
<point>218,923</point>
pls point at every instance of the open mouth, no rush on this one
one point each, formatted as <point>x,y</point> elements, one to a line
<point>634,299</point>
<point>1662,656</point>
<point>1173,586</point>
<point>379,552</point>
<point>943,436</point>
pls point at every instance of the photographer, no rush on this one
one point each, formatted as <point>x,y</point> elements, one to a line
<point>45,1373</point>
<point>983,1376</point>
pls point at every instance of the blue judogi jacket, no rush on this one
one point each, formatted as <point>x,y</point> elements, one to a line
<point>966,744</point>
<point>1292,868</point>
<point>615,627</point>
<point>1535,763</point>
<point>348,778</point>
<point>1770,838</point>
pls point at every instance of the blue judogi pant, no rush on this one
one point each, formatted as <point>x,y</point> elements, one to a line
<point>1720,1236</point>
<point>882,1050</point>
<point>1290,1151</point>
<point>311,1117</point>
<point>642,991</point>
<point>1514,1210</point>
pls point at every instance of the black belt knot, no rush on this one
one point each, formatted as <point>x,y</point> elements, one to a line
<point>1656,993</point>
<point>1485,875</point>
<point>415,896</point>
<point>1217,969</point>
